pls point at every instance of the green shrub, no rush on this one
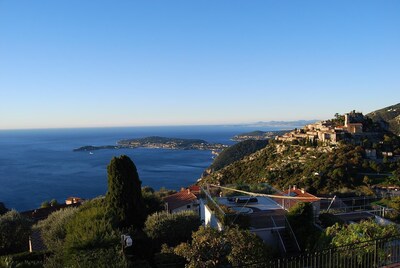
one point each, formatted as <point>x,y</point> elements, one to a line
<point>152,202</point>
<point>171,229</point>
<point>97,257</point>
<point>25,259</point>
<point>90,228</point>
<point>14,233</point>
<point>53,229</point>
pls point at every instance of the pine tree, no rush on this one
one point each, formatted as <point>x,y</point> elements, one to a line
<point>124,197</point>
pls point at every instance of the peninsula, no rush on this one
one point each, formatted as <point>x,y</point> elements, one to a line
<point>158,143</point>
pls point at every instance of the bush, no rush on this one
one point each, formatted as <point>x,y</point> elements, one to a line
<point>171,229</point>
<point>14,233</point>
<point>89,228</point>
<point>86,239</point>
<point>359,232</point>
<point>97,257</point>
<point>25,259</point>
<point>169,260</point>
<point>152,202</point>
<point>53,229</point>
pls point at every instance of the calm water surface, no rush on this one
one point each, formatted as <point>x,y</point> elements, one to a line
<point>38,165</point>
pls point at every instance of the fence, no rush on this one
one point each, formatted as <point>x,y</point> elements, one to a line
<point>370,254</point>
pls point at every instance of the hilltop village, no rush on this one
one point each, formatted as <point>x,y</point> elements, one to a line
<point>328,132</point>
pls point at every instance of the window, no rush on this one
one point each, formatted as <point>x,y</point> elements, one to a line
<point>188,206</point>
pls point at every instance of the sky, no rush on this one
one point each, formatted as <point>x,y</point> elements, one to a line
<point>94,63</point>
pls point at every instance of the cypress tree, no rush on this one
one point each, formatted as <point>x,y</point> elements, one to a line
<point>124,197</point>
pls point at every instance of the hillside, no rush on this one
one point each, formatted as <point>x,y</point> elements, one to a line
<point>320,170</point>
<point>237,152</point>
<point>352,162</point>
<point>388,117</point>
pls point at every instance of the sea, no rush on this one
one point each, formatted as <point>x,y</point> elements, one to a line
<point>40,165</point>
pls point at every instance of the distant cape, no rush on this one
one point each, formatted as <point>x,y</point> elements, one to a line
<point>283,124</point>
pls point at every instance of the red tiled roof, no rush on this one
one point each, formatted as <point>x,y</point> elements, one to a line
<point>179,199</point>
<point>300,197</point>
<point>194,189</point>
<point>306,197</point>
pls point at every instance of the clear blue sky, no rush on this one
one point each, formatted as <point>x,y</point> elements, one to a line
<point>77,63</point>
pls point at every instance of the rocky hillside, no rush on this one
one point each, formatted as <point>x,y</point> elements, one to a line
<point>237,152</point>
<point>388,117</point>
<point>322,168</point>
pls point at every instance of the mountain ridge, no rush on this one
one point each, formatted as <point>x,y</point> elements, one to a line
<point>388,118</point>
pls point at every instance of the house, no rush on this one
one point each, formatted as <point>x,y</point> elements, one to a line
<point>73,200</point>
<point>301,196</point>
<point>261,214</point>
<point>185,199</point>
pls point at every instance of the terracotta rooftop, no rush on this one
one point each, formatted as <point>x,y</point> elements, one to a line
<point>179,199</point>
<point>301,195</point>
<point>195,189</point>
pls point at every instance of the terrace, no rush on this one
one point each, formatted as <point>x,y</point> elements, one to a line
<point>258,213</point>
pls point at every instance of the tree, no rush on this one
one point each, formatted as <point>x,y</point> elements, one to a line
<point>14,233</point>
<point>212,248</point>
<point>246,248</point>
<point>172,229</point>
<point>301,218</point>
<point>152,202</point>
<point>124,197</point>
<point>53,202</point>
<point>163,192</point>
<point>365,231</point>
<point>359,232</point>
<point>45,204</point>
<point>207,249</point>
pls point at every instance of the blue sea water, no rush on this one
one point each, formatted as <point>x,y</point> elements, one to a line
<point>38,165</point>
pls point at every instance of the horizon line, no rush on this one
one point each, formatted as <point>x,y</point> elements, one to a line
<point>162,125</point>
